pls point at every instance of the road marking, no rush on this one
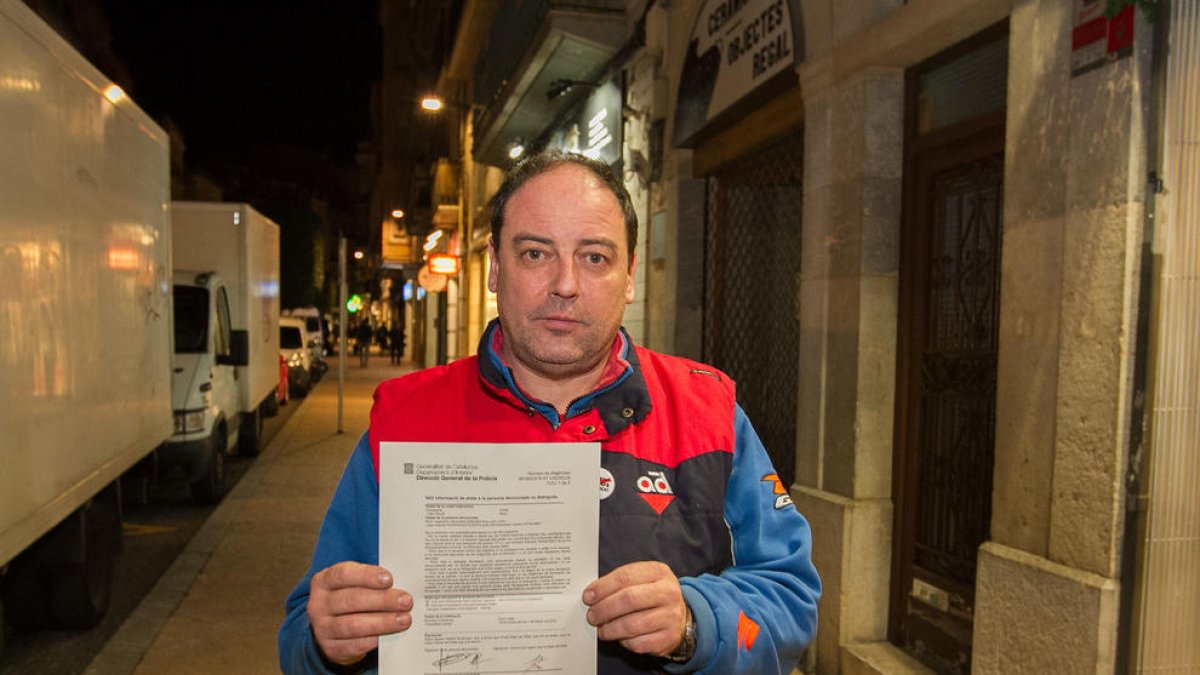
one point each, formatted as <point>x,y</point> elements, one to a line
<point>136,530</point>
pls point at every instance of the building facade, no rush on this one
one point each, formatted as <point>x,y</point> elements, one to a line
<point>943,248</point>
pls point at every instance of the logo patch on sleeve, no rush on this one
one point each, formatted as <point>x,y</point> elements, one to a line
<point>782,498</point>
<point>655,490</point>
<point>747,632</point>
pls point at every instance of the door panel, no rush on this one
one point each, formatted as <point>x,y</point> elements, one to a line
<point>949,316</point>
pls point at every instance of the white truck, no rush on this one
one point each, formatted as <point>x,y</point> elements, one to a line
<point>85,319</point>
<point>226,316</point>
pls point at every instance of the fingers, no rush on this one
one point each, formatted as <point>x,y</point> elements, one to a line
<point>350,605</point>
<point>353,574</point>
<point>640,605</point>
<point>633,574</point>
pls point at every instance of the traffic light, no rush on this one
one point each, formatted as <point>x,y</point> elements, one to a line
<point>354,303</point>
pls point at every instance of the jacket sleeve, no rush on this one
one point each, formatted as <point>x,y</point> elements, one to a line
<point>758,615</point>
<point>350,531</point>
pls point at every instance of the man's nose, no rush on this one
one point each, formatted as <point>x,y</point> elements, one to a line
<point>566,280</point>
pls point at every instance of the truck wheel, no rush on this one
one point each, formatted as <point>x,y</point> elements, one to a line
<point>250,433</point>
<point>80,592</point>
<point>24,595</point>
<point>210,488</point>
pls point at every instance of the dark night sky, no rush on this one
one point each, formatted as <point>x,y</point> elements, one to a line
<point>230,73</point>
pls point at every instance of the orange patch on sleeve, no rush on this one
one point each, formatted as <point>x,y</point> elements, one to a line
<point>777,485</point>
<point>747,632</point>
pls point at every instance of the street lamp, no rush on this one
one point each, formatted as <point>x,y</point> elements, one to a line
<point>398,213</point>
<point>432,103</point>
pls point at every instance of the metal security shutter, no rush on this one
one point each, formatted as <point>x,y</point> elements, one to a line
<point>751,330</point>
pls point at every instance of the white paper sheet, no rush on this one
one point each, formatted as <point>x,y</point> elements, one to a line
<point>496,543</point>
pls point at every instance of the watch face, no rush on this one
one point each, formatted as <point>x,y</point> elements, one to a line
<point>687,644</point>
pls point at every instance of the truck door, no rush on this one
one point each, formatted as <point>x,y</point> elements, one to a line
<point>225,390</point>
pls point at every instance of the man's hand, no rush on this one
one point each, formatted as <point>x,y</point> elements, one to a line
<point>639,605</point>
<point>350,605</point>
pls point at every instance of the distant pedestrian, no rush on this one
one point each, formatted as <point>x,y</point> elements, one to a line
<point>364,342</point>
<point>396,340</point>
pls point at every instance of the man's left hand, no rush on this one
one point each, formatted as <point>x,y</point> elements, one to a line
<point>639,605</point>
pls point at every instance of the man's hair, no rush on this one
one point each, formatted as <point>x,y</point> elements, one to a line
<point>540,163</point>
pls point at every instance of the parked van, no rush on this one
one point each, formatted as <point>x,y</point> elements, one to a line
<point>317,340</point>
<point>294,348</point>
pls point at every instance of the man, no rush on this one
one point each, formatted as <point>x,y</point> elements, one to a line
<point>363,334</point>
<point>704,562</point>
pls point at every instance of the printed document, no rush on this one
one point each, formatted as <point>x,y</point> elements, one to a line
<point>496,543</point>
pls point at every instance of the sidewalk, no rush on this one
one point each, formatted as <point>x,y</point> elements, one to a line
<point>217,608</point>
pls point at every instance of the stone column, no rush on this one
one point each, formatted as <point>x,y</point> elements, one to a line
<point>1073,219</point>
<point>852,195</point>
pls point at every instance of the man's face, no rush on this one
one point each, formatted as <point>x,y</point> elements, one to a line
<point>561,272</point>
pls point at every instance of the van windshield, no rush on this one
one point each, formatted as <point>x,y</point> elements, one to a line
<point>191,320</point>
<point>312,324</point>
<point>289,337</point>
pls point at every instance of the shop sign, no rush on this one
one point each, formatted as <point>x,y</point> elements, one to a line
<point>737,46</point>
<point>1097,39</point>
<point>595,128</point>
<point>397,245</point>
<point>431,281</point>
<point>443,263</point>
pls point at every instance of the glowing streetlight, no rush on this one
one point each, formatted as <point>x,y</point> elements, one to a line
<point>516,151</point>
<point>114,93</point>
<point>432,103</point>
<point>358,255</point>
<point>398,214</point>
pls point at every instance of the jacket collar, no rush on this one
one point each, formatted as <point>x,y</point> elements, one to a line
<point>621,399</point>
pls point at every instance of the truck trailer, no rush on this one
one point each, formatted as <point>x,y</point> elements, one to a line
<point>85,319</point>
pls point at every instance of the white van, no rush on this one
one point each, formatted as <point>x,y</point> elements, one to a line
<point>316,341</point>
<point>294,347</point>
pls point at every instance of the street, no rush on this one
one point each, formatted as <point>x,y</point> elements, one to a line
<point>155,534</point>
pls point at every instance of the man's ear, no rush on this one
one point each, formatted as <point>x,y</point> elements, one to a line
<point>493,266</point>
<point>629,282</point>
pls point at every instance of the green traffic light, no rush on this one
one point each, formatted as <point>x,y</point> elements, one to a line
<point>354,304</point>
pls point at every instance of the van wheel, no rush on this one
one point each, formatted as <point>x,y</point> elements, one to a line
<point>250,433</point>
<point>270,407</point>
<point>80,592</point>
<point>210,488</point>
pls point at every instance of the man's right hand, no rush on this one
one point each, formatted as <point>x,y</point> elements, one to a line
<point>350,605</point>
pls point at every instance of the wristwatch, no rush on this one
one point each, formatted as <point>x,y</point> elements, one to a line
<point>687,643</point>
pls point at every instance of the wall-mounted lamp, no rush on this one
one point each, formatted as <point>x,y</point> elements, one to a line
<point>398,213</point>
<point>515,150</point>
<point>561,86</point>
<point>433,103</point>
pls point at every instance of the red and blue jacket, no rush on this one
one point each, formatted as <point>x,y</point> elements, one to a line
<point>685,481</point>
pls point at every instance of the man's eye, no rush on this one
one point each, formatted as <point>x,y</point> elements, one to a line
<point>532,255</point>
<point>596,258</point>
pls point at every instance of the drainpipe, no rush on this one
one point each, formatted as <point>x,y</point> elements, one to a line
<point>1137,460</point>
